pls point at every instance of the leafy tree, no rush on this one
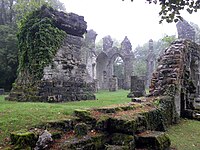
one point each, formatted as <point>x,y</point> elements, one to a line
<point>170,9</point>
<point>11,11</point>
<point>22,7</point>
<point>8,56</point>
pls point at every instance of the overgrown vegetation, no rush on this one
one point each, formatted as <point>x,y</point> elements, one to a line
<point>11,11</point>
<point>39,39</point>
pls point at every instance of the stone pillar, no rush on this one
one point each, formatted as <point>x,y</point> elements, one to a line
<point>150,63</point>
<point>126,49</point>
<point>113,84</point>
<point>137,87</point>
<point>88,54</point>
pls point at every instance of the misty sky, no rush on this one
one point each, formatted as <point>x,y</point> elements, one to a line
<point>137,20</point>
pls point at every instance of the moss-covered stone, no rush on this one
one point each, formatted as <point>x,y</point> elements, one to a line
<point>23,139</point>
<point>109,109</point>
<point>153,140</point>
<point>155,120</point>
<point>56,135</point>
<point>102,123</point>
<point>96,141</point>
<point>81,129</point>
<point>122,139</point>
<point>122,126</point>
<point>116,147</point>
<point>65,125</point>
<point>85,116</point>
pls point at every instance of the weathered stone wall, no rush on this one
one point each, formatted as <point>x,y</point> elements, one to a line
<point>177,74</point>
<point>64,79</point>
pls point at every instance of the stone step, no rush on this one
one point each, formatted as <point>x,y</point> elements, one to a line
<point>153,140</point>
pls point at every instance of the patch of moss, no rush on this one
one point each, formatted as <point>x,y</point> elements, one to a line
<point>102,123</point>
<point>121,139</point>
<point>85,116</point>
<point>23,139</point>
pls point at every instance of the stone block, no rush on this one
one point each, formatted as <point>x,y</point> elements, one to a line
<point>23,139</point>
<point>81,129</point>
<point>96,141</point>
<point>153,140</point>
<point>122,139</point>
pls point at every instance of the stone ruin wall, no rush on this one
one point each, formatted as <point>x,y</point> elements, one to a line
<point>177,74</point>
<point>65,78</point>
<point>88,55</point>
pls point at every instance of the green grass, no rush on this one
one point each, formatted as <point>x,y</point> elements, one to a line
<point>186,135</point>
<point>18,115</point>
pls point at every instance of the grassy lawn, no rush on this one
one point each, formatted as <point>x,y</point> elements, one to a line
<point>18,115</point>
<point>186,135</point>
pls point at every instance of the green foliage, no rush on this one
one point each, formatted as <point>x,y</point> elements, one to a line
<point>11,11</point>
<point>23,7</point>
<point>8,56</point>
<point>39,39</point>
<point>170,9</point>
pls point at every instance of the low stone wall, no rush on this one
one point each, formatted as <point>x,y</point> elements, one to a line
<point>52,91</point>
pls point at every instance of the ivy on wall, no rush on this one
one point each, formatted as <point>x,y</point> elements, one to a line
<point>39,39</point>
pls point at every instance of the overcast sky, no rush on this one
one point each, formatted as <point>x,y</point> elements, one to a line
<point>137,20</point>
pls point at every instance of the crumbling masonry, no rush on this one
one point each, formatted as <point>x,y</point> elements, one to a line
<point>64,79</point>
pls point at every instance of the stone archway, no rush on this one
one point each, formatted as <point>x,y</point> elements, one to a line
<point>101,70</point>
<point>106,59</point>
